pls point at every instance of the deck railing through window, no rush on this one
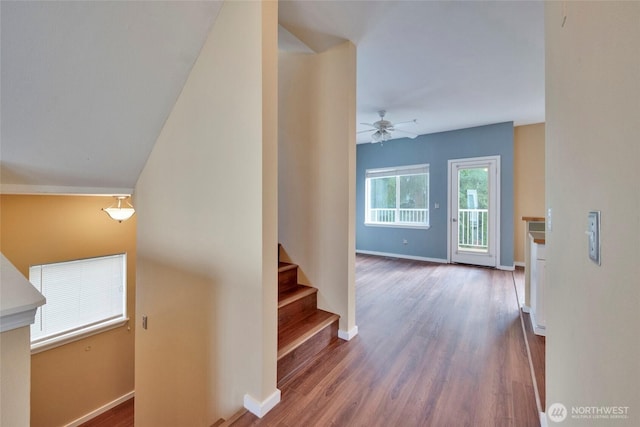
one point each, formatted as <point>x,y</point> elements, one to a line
<point>405,216</point>
<point>472,229</point>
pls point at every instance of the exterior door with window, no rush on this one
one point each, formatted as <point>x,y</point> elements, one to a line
<point>474,201</point>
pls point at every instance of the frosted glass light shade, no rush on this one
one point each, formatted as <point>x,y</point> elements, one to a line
<point>120,213</point>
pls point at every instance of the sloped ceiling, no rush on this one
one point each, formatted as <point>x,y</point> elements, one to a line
<point>86,87</point>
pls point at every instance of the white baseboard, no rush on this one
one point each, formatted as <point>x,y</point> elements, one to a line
<point>537,329</point>
<point>543,419</point>
<point>526,308</point>
<point>260,409</point>
<point>402,256</point>
<point>519,264</point>
<point>421,258</point>
<point>348,335</point>
<point>101,410</point>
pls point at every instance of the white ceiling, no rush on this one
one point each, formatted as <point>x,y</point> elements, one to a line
<point>87,86</point>
<point>448,64</point>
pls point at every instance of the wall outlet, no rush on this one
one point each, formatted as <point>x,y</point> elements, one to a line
<point>593,231</point>
<point>405,242</point>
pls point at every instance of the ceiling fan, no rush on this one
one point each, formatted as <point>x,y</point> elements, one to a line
<point>382,129</point>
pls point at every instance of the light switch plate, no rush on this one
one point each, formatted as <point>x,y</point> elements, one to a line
<point>593,232</point>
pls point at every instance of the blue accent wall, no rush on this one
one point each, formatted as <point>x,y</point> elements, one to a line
<point>435,149</point>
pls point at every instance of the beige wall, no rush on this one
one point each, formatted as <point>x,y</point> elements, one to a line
<point>269,197</point>
<point>15,367</point>
<point>70,381</point>
<point>592,155</point>
<point>317,172</point>
<point>207,235</point>
<point>528,180</point>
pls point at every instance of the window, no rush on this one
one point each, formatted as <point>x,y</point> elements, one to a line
<point>398,196</point>
<point>83,297</point>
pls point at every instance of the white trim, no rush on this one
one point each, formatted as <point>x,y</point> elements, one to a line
<point>348,335</point>
<point>526,308</point>
<point>17,320</point>
<point>498,202</point>
<point>519,264</point>
<point>449,211</point>
<point>396,225</point>
<point>543,419</point>
<point>55,190</point>
<point>506,267</point>
<point>402,256</point>
<point>260,409</point>
<point>78,335</point>
<point>19,299</point>
<point>534,382</point>
<point>101,410</point>
<point>396,172</point>
<point>538,330</point>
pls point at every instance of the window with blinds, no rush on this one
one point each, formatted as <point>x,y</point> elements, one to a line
<point>397,196</point>
<point>83,297</point>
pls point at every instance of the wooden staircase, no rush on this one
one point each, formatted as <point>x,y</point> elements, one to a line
<point>303,329</point>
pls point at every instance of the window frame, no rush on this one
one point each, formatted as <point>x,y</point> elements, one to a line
<point>87,329</point>
<point>397,172</point>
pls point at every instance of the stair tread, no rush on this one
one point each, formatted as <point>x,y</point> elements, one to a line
<point>294,294</point>
<point>295,334</point>
<point>284,266</point>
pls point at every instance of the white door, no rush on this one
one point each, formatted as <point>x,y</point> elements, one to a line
<point>474,210</point>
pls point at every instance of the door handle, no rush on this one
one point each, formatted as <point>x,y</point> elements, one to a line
<point>454,220</point>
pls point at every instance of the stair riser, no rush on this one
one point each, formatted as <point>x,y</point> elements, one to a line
<point>297,310</point>
<point>287,279</point>
<point>304,354</point>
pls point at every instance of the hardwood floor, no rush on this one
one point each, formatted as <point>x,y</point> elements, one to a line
<point>537,347</point>
<point>438,345</point>
<point>537,344</point>
<point>119,416</point>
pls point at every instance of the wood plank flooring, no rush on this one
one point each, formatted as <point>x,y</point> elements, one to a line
<point>438,345</point>
<point>537,344</point>
<point>119,416</point>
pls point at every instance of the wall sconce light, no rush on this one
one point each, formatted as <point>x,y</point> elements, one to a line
<point>120,213</point>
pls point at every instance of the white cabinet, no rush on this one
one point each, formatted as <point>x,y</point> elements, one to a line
<point>537,263</point>
<point>532,224</point>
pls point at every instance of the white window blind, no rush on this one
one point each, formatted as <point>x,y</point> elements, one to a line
<point>81,295</point>
<point>402,170</point>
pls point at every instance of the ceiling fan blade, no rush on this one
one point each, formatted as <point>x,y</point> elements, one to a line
<point>411,135</point>
<point>406,123</point>
<point>366,130</point>
<point>369,124</point>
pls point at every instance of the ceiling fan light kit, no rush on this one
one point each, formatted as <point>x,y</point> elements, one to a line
<point>382,129</point>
